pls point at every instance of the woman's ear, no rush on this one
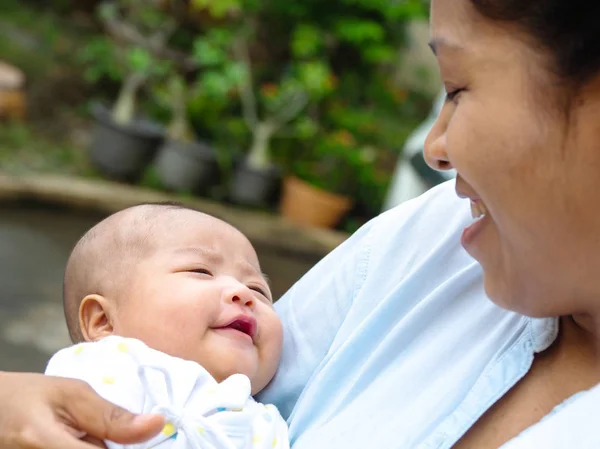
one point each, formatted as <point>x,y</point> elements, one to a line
<point>95,317</point>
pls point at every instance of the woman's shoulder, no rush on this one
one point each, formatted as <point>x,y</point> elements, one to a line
<point>437,210</point>
<point>571,424</point>
<point>422,232</point>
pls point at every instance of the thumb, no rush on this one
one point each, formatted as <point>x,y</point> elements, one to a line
<point>87,411</point>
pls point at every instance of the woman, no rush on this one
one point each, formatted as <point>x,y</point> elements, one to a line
<point>391,340</point>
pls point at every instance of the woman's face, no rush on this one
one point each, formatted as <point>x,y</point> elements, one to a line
<point>528,161</point>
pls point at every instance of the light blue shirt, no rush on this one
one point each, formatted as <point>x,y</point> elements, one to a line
<point>391,342</point>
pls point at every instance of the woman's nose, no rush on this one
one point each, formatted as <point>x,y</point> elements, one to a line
<point>435,150</point>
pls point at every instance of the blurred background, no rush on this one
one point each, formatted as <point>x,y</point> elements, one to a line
<point>295,121</point>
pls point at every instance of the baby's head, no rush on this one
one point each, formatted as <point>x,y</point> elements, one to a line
<point>183,282</point>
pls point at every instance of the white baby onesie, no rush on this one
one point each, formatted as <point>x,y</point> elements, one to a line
<point>200,412</point>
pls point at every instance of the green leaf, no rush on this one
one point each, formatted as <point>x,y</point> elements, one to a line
<point>207,53</point>
<point>357,31</point>
<point>380,54</point>
<point>151,18</point>
<point>306,41</point>
<point>314,76</point>
<point>218,8</point>
<point>139,60</point>
<point>215,84</point>
<point>235,72</point>
<point>410,9</point>
<point>306,127</point>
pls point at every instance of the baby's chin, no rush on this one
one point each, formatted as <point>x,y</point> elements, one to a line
<point>258,378</point>
<point>226,365</point>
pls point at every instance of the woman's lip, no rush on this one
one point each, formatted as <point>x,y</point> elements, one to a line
<point>463,195</point>
<point>467,195</point>
<point>471,232</point>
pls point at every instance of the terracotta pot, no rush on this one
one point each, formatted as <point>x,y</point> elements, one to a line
<point>305,204</point>
<point>13,104</point>
<point>12,94</point>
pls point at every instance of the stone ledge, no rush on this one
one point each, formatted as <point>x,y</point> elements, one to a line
<point>108,197</point>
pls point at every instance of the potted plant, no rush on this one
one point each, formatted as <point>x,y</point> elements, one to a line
<point>256,178</point>
<point>124,143</point>
<point>324,180</point>
<point>12,96</point>
<point>184,164</point>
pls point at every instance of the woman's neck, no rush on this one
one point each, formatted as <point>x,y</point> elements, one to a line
<point>582,331</point>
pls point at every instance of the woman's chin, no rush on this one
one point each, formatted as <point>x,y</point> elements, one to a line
<point>496,289</point>
<point>505,295</point>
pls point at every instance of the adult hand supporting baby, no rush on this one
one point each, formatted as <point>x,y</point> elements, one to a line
<point>47,412</point>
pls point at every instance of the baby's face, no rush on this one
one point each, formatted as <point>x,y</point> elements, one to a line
<point>201,296</point>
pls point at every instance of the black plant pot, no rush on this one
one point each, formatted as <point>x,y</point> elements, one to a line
<point>257,188</point>
<point>187,167</point>
<point>123,152</point>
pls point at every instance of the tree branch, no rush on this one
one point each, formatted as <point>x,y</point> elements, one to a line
<point>247,96</point>
<point>291,108</point>
<point>156,44</point>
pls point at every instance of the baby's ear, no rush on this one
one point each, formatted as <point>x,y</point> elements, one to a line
<point>95,317</point>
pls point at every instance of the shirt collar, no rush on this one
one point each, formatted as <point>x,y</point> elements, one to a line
<point>543,332</point>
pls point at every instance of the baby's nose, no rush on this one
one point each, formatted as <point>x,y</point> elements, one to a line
<point>242,300</point>
<point>238,293</point>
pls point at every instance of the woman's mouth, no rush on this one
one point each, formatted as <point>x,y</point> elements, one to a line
<point>478,209</point>
<point>479,213</point>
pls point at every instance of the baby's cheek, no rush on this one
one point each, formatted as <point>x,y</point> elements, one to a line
<point>272,344</point>
<point>169,330</point>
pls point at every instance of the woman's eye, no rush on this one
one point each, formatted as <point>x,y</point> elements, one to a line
<point>453,95</point>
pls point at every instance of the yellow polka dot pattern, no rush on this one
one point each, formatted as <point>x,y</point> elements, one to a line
<point>108,380</point>
<point>168,430</point>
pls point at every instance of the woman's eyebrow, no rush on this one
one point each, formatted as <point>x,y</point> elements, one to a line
<point>440,42</point>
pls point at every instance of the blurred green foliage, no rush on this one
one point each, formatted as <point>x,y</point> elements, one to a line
<point>343,53</point>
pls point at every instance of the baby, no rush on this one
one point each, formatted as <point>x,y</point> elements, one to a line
<point>172,315</point>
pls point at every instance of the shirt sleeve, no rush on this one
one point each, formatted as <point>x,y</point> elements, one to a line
<point>106,367</point>
<point>312,313</point>
<point>269,428</point>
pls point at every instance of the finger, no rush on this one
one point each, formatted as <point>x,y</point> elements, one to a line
<point>53,438</point>
<point>87,411</point>
<point>94,441</point>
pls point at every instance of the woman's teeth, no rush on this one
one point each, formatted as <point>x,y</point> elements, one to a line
<point>478,209</point>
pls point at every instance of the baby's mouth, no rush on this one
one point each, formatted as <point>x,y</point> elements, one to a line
<point>244,324</point>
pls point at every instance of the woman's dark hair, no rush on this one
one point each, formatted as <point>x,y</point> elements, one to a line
<point>568,29</point>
